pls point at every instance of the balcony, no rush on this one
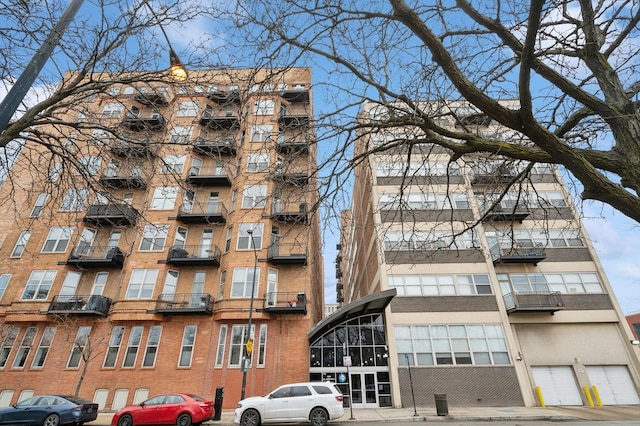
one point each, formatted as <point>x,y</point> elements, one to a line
<point>151,98</point>
<point>144,121</point>
<point>539,301</point>
<point>516,213</point>
<point>215,175</point>
<point>185,304</point>
<point>285,303</point>
<point>492,177</point>
<point>291,145</point>
<point>219,121</point>
<point>111,215</point>
<point>195,213</point>
<point>124,178</point>
<point>287,254</point>
<point>290,174</point>
<point>296,95</point>
<point>129,149</point>
<point>517,254</point>
<point>90,305</point>
<point>194,255</point>
<point>291,118</point>
<point>224,97</point>
<point>215,146</point>
<point>289,212</point>
<point>96,257</point>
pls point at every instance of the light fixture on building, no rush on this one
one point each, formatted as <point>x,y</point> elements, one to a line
<point>635,342</point>
<point>519,356</point>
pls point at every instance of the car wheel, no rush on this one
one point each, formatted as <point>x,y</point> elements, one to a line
<point>318,417</point>
<point>250,418</point>
<point>51,420</point>
<point>184,420</point>
<point>125,420</point>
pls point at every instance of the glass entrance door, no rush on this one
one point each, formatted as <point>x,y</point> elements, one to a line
<point>363,390</point>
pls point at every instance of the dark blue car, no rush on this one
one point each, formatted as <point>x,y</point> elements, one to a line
<point>49,410</point>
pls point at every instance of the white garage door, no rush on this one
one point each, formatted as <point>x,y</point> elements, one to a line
<point>558,385</point>
<point>614,384</point>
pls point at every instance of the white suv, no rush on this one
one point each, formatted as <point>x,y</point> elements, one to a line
<point>315,402</point>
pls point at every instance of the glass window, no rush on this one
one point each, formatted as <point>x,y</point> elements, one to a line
<point>153,343</point>
<point>4,282</point>
<point>39,285</point>
<point>222,338</point>
<point>258,162</point>
<point>132,347</point>
<point>154,237</point>
<point>142,283</point>
<point>58,239</point>
<point>164,198</point>
<point>112,109</point>
<point>180,134</point>
<point>25,347</point>
<point>43,347</point>
<point>262,345</point>
<point>188,343</point>
<point>187,109</point>
<point>261,132</point>
<point>223,278</point>
<point>114,347</point>
<point>238,340</point>
<point>264,107</point>
<point>74,200</point>
<point>7,344</point>
<point>251,241</point>
<point>21,244</point>
<point>243,281</point>
<point>173,164</point>
<point>39,205</point>
<point>254,196</point>
<point>79,343</point>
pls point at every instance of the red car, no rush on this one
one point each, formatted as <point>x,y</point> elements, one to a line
<point>179,409</point>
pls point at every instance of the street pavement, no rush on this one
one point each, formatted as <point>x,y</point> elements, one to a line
<point>457,414</point>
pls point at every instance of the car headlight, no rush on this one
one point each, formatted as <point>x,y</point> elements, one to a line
<point>239,405</point>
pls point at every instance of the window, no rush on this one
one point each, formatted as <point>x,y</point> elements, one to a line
<point>25,347</point>
<point>181,134</point>
<point>243,281</point>
<point>74,200</point>
<point>153,343</point>
<point>187,109</point>
<point>39,205</point>
<point>154,237</point>
<point>181,237</point>
<point>132,347</point>
<point>21,244</point>
<point>55,172</point>
<point>164,198</point>
<point>223,278</point>
<point>90,165</point>
<point>436,240</point>
<point>58,239</point>
<point>7,344</point>
<point>234,197</point>
<point>4,282</point>
<point>262,345</point>
<point>254,196</point>
<point>222,338</point>
<point>79,343</point>
<point>114,347</point>
<point>43,347</point>
<point>38,285</point>
<point>472,344</point>
<point>112,110</point>
<point>250,242</point>
<point>238,339</point>
<point>423,201</point>
<point>170,284</point>
<point>173,164</point>
<point>188,343</point>
<point>227,241</point>
<point>258,162</point>
<point>70,283</point>
<point>568,282</point>
<point>440,285</point>
<point>261,132</point>
<point>141,283</point>
<point>264,107</point>
<point>99,283</point>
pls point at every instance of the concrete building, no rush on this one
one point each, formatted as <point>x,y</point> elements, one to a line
<point>131,273</point>
<point>452,286</point>
<point>634,322</point>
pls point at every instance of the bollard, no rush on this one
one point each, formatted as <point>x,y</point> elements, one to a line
<point>441,404</point>
<point>217,403</point>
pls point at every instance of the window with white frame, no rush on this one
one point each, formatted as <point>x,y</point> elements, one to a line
<point>153,344</point>
<point>460,344</point>
<point>141,284</point>
<point>254,196</point>
<point>261,132</point>
<point>423,201</point>
<point>154,237</point>
<point>79,343</point>
<point>173,164</point>
<point>25,347</point>
<point>258,162</point>
<point>90,165</point>
<point>21,244</point>
<point>187,109</point>
<point>250,242</point>
<point>113,349</point>
<point>436,240</point>
<point>528,238</point>
<point>223,278</point>
<point>170,285</point>
<point>227,240</point>
<point>416,168</point>
<point>55,172</point>
<point>164,198</point>
<point>551,199</point>
<point>100,137</point>
<point>243,281</point>
<point>238,339</point>
<point>38,285</point>
<point>43,347</point>
<point>188,344</point>
<point>7,344</point>
<point>567,282</point>
<point>39,205</point>
<point>264,106</point>
<point>181,134</point>
<point>70,283</point>
<point>112,110</point>
<point>99,283</point>
<point>4,282</point>
<point>74,199</point>
<point>222,339</point>
<point>133,345</point>
<point>440,284</point>
<point>262,345</point>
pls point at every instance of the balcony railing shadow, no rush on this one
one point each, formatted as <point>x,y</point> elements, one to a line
<point>285,302</point>
<point>80,305</point>
<point>194,255</point>
<point>185,303</point>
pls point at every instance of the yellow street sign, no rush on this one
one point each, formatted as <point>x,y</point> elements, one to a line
<point>249,346</point>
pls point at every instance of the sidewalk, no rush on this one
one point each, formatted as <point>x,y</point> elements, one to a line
<point>614,412</point>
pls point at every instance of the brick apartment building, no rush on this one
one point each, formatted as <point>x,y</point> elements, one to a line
<point>462,289</point>
<point>137,264</point>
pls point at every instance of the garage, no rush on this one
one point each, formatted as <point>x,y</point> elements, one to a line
<point>557,384</point>
<point>614,384</point>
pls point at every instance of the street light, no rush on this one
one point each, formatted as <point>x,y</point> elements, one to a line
<point>176,67</point>
<point>248,345</point>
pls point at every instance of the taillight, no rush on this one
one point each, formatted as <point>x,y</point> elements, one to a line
<point>339,398</point>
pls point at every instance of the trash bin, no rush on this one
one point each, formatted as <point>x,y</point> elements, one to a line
<point>441,404</point>
<point>217,403</point>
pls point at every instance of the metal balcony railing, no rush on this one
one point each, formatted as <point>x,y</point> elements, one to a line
<point>144,120</point>
<point>518,254</point>
<point>218,145</point>
<point>111,214</point>
<point>214,175</point>
<point>214,212</point>
<point>96,257</point>
<point>539,301</point>
<point>287,253</point>
<point>185,303</point>
<point>194,255</point>
<point>80,305</point>
<point>285,302</point>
